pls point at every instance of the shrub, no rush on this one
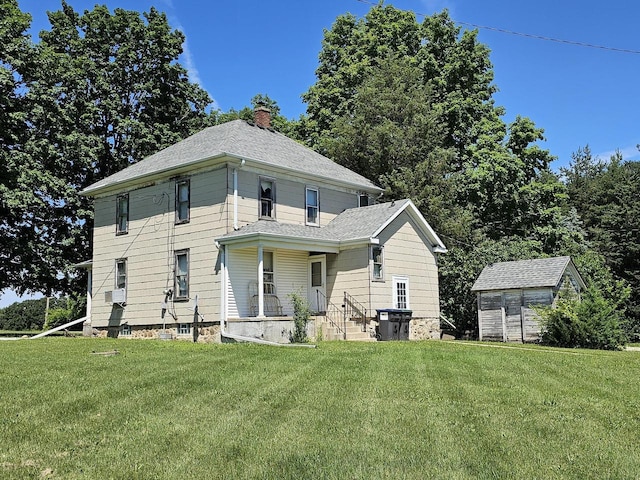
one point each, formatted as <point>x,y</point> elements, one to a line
<point>590,322</point>
<point>301,317</point>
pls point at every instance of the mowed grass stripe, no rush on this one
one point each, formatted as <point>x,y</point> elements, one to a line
<point>343,410</point>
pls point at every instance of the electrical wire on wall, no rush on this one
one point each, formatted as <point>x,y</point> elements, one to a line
<point>167,304</point>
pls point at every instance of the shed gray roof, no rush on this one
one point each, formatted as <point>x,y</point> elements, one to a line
<point>361,223</point>
<point>541,272</point>
<point>241,140</point>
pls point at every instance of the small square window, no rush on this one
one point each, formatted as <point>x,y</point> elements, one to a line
<point>312,206</point>
<point>363,200</point>
<point>184,328</point>
<point>182,275</point>
<point>122,214</point>
<point>125,330</point>
<point>183,195</point>
<point>377,257</point>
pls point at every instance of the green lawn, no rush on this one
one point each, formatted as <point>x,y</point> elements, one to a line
<point>399,410</point>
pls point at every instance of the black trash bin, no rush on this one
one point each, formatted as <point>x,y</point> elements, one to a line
<point>393,323</point>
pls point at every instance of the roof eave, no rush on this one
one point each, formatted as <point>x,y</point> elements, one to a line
<point>151,176</point>
<point>436,244</point>
<point>291,241</point>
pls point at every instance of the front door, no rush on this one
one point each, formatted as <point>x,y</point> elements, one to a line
<point>317,283</point>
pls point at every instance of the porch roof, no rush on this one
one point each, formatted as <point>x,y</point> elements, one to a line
<point>354,226</point>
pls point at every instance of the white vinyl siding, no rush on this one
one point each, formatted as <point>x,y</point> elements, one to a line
<point>153,237</point>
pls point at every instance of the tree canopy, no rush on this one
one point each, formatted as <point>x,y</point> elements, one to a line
<point>410,105</point>
<point>99,91</point>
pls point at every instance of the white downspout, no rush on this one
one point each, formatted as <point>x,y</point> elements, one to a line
<point>235,194</point>
<point>223,287</point>
<point>260,281</point>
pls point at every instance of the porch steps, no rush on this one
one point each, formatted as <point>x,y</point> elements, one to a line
<point>354,332</point>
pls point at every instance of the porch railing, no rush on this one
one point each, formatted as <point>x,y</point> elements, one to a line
<point>335,315</point>
<point>354,310</point>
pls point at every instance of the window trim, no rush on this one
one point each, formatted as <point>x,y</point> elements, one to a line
<point>179,182</point>
<point>119,214</point>
<point>375,278</point>
<point>272,199</point>
<point>316,206</point>
<point>397,279</point>
<point>124,262</point>
<point>176,291</point>
<point>266,273</point>
<point>182,327</point>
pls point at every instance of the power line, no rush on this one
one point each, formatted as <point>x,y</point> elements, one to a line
<point>527,35</point>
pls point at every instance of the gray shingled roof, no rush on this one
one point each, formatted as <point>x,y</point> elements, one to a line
<point>542,272</point>
<point>242,140</point>
<point>352,224</point>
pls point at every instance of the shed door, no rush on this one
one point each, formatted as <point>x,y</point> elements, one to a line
<point>513,316</point>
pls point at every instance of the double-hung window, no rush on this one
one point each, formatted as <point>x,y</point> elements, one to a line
<point>312,204</point>
<point>181,275</point>
<point>182,201</point>
<point>377,258</point>
<point>268,278</point>
<point>267,195</point>
<point>121,273</point>
<point>122,214</point>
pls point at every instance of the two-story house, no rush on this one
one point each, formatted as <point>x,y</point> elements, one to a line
<point>210,236</point>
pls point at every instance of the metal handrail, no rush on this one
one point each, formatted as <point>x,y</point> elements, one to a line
<point>332,312</point>
<point>354,309</point>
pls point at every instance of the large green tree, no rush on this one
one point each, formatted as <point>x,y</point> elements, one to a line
<point>606,195</point>
<point>16,62</point>
<point>410,105</point>
<point>107,91</point>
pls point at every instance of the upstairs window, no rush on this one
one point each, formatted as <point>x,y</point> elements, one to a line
<point>121,273</point>
<point>377,257</point>
<point>122,214</point>
<point>182,201</point>
<point>312,206</point>
<point>363,200</point>
<point>267,198</point>
<point>182,275</point>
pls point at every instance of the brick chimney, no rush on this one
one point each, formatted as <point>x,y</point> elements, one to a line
<point>262,116</point>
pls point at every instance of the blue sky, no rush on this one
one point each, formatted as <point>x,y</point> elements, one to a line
<point>579,95</point>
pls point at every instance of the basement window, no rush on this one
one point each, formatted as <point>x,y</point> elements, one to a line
<point>184,328</point>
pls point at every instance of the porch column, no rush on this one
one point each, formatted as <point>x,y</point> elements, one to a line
<point>223,286</point>
<point>260,281</point>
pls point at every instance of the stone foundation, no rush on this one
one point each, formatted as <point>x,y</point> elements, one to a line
<point>419,328</point>
<point>204,333</point>
<point>424,329</point>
